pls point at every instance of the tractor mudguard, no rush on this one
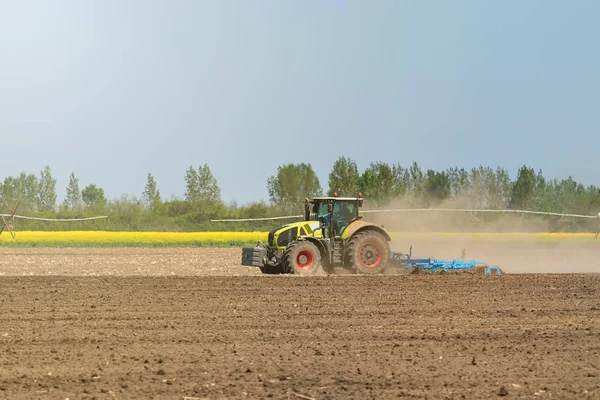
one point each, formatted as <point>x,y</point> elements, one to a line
<point>320,245</point>
<point>359,226</point>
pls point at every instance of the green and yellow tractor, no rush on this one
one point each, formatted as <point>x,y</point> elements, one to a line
<point>332,236</point>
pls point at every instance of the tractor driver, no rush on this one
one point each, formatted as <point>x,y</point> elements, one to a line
<point>345,215</point>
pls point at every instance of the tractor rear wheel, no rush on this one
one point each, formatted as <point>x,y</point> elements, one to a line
<point>368,252</point>
<point>302,258</point>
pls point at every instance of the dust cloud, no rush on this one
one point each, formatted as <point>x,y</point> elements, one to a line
<point>518,255</point>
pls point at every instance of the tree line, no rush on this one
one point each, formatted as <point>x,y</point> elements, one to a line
<point>381,184</point>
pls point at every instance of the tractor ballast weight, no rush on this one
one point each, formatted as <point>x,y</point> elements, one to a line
<point>333,235</point>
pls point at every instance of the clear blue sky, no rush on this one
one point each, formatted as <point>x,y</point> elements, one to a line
<point>114,89</point>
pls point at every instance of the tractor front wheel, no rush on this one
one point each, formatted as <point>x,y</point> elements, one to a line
<point>302,258</point>
<point>368,252</point>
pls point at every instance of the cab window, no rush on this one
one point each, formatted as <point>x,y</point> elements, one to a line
<point>342,212</point>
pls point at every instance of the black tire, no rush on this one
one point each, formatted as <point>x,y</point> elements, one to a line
<point>368,252</point>
<point>302,258</point>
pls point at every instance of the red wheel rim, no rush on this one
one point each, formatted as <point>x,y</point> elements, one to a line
<point>370,255</point>
<point>304,259</point>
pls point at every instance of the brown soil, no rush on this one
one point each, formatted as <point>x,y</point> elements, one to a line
<point>206,335</point>
<point>123,262</point>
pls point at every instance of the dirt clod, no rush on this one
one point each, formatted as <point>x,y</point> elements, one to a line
<point>503,391</point>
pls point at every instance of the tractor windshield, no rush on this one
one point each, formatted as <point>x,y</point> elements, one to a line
<point>343,213</point>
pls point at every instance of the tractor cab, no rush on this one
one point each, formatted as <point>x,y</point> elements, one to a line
<point>333,213</point>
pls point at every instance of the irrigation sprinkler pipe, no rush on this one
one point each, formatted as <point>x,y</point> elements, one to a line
<point>469,210</point>
<point>474,210</point>
<point>54,219</point>
<point>255,219</point>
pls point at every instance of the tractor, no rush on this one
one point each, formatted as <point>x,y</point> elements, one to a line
<point>332,235</point>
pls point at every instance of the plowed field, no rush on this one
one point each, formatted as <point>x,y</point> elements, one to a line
<point>192,323</point>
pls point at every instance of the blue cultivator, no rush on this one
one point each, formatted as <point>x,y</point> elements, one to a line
<point>430,265</point>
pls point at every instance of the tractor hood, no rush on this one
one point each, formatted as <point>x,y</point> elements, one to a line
<point>281,236</point>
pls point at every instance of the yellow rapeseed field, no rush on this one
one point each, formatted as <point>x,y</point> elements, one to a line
<point>226,239</point>
<point>104,238</point>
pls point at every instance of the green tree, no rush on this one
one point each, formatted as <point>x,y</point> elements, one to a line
<point>522,195</point>
<point>417,179</point>
<point>28,188</point>
<point>459,181</point>
<point>500,189</point>
<point>208,186</point>
<point>151,195</point>
<point>369,186</point>
<point>9,189</point>
<point>93,196</point>
<point>401,180</point>
<point>292,184</point>
<point>343,178</point>
<point>478,190</point>
<point>377,182</point>
<point>255,210</point>
<point>23,190</point>
<point>47,190</point>
<point>437,185</point>
<point>73,194</point>
<point>591,200</point>
<point>192,185</point>
<point>201,185</point>
<point>489,188</point>
<point>569,194</point>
